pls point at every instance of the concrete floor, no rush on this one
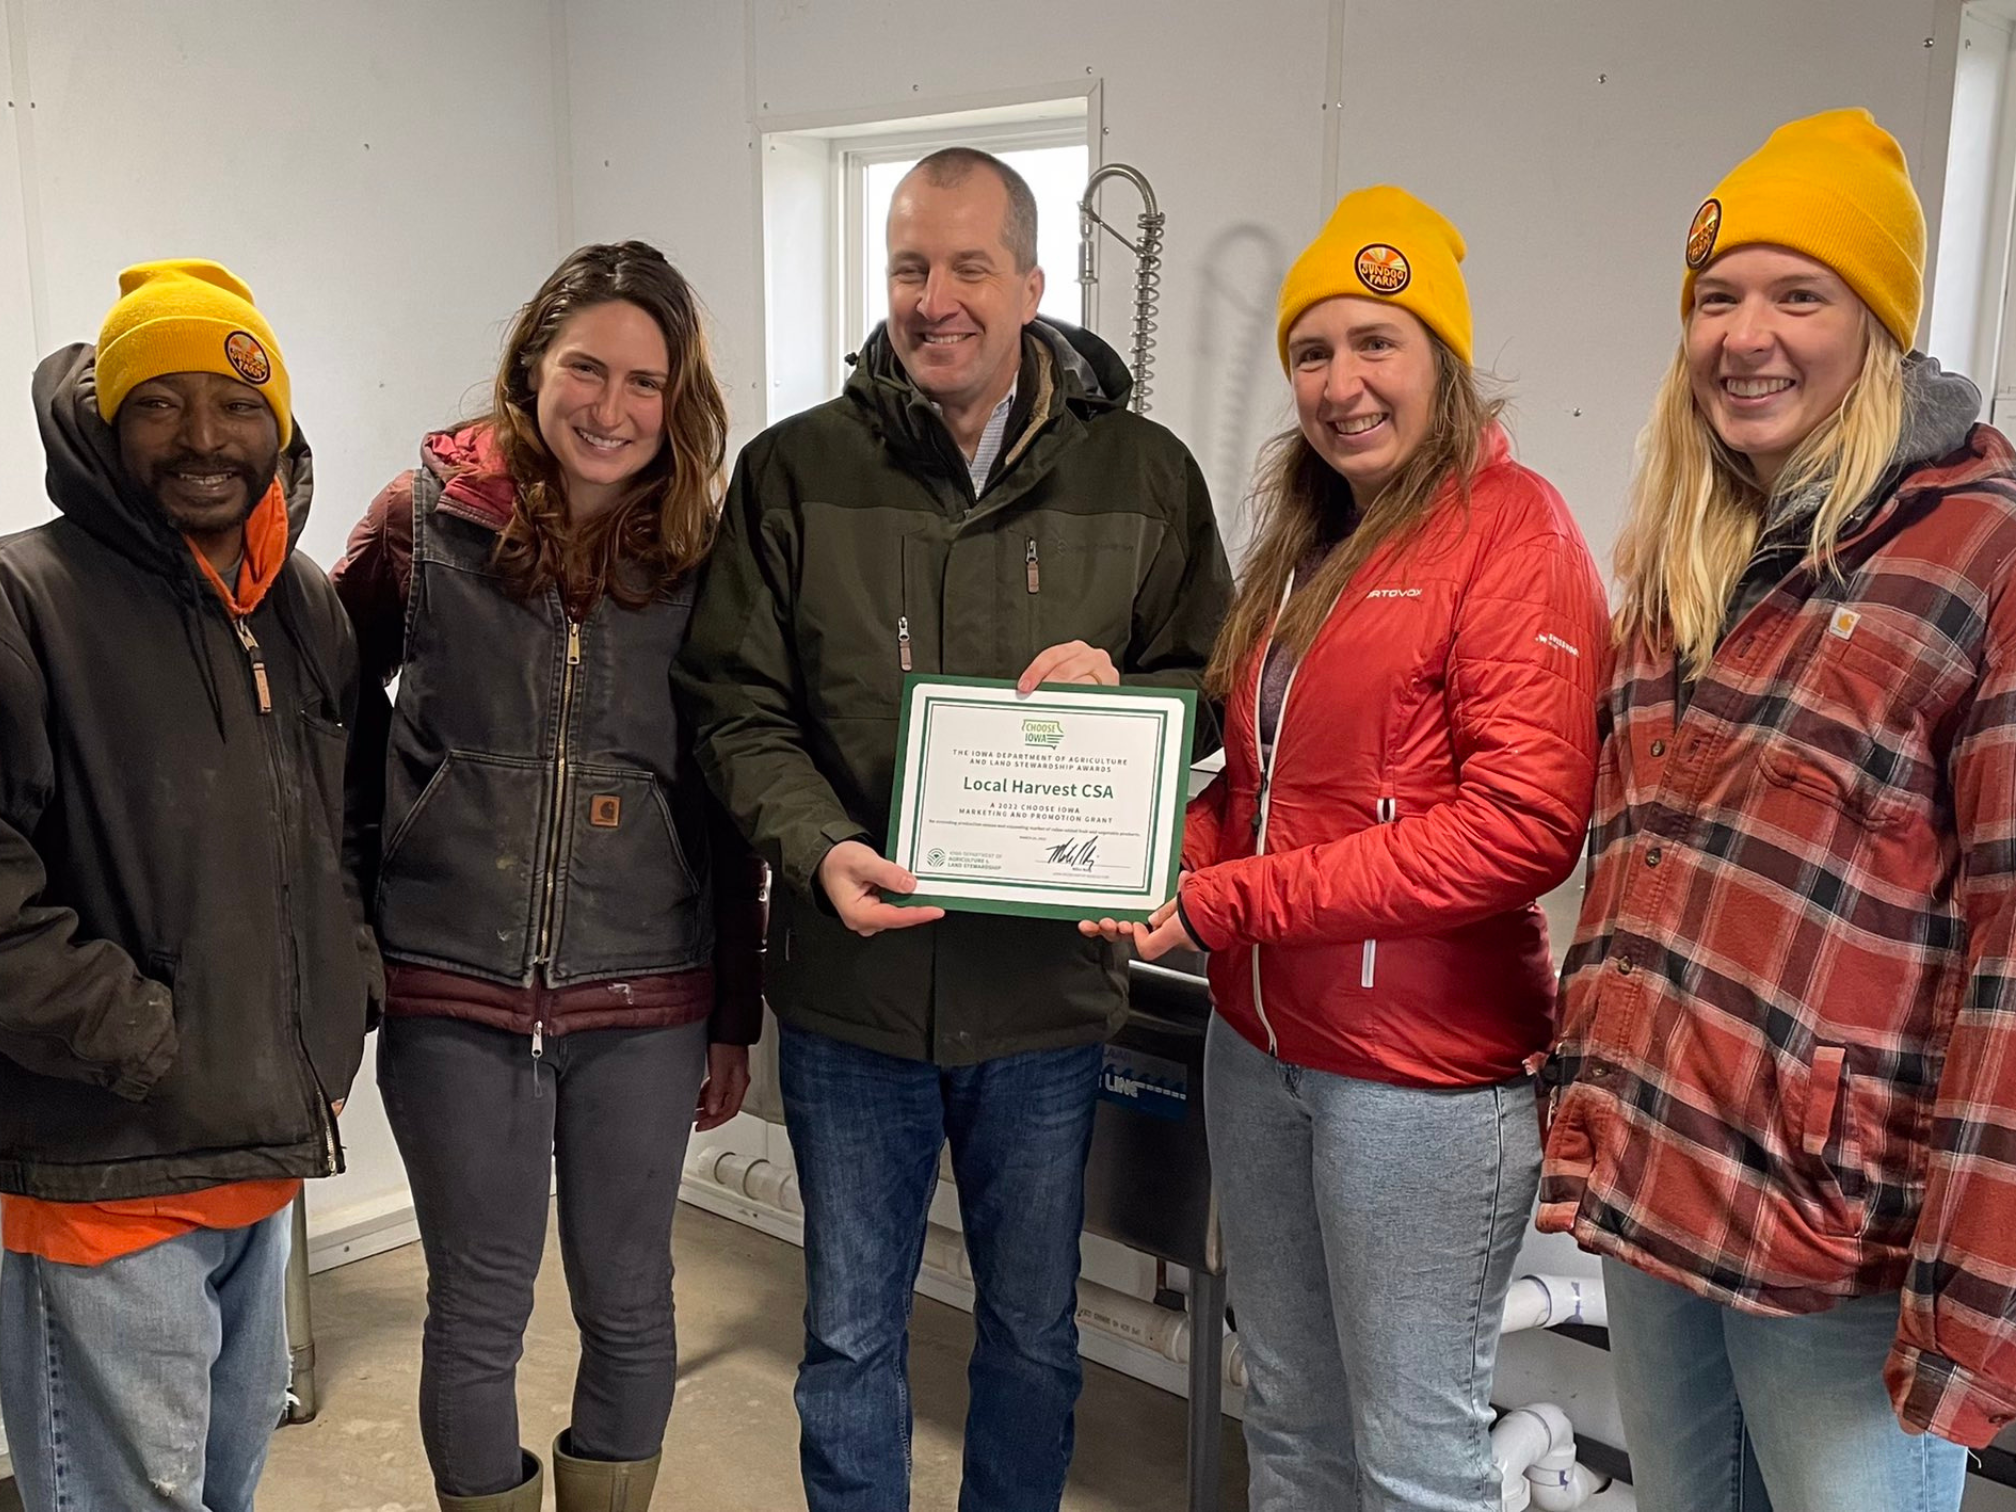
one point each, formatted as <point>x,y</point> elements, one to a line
<point>733,1445</point>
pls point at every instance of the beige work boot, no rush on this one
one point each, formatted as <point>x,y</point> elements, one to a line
<point>585,1485</point>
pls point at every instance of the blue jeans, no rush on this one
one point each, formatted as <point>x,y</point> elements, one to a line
<point>1719,1405</point>
<point>1370,1232</point>
<point>150,1383</point>
<point>866,1130</point>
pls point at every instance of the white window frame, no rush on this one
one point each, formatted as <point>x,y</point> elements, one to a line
<point>862,255</point>
<point>1972,325</point>
<point>809,176</point>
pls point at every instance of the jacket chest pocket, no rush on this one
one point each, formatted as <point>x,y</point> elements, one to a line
<point>1077,575</point>
<point>325,745</point>
<point>1851,730</point>
<point>865,612</point>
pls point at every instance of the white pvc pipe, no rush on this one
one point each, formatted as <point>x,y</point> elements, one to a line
<point>1161,1329</point>
<point>751,1176</point>
<point>1533,1453</point>
<point>1550,1301</point>
<point>1517,1440</point>
<point>1235,1362</point>
<point>1578,1483</point>
<point>945,1252</point>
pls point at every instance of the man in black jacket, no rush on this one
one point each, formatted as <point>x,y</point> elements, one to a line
<point>185,970</point>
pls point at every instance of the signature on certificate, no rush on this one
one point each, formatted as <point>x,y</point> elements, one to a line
<point>1078,855</point>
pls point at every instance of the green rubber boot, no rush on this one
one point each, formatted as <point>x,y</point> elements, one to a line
<point>585,1485</point>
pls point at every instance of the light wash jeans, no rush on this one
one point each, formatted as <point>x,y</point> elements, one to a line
<point>1719,1405</point>
<point>1370,1234</point>
<point>150,1383</point>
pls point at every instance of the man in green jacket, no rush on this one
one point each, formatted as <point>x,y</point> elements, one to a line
<point>977,502</point>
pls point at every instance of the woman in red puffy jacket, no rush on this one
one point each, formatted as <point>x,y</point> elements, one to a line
<point>1410,671</point>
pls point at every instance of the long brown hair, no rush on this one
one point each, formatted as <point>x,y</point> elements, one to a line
<point>1296,495</point>
<point>663,524</point>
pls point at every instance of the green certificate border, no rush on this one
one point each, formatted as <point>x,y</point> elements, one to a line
<point>901,798</point>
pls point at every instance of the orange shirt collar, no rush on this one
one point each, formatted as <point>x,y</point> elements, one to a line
<point>265,555</point>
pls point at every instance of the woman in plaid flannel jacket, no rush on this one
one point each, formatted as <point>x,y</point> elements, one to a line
<point>1785,1085</point>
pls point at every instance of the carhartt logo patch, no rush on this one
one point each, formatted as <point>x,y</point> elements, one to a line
<point>1843,624</point>
<point>605,811</point>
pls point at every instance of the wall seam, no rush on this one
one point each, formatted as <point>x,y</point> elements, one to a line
<point>1333,112</point>
<point>1942,64</point>
<point>21,100</point>
<point>563,128</point>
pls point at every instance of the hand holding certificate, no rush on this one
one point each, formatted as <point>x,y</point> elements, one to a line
<point>1162,932</point>
<point>1064,803</point>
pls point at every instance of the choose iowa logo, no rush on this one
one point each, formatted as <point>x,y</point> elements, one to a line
<point>1383,269</point>
<point>1048,733</point>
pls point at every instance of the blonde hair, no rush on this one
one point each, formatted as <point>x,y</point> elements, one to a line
<point>1697,509</point>
<point>1295,492</point>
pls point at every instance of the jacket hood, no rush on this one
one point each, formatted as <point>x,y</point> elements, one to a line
<point>1939,411</point>
<point>1088,375</point>
<point>1095,368</point>
<point>88,482</point>
<point>475,482</point>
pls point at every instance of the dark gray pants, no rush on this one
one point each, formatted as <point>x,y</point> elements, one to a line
<point>479,1123</point>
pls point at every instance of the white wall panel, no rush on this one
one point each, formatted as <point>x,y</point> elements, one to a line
<point>23,501</point>
<point>382,174</point>
<point>1571,140</point>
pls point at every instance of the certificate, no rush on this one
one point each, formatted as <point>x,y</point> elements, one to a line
<point>1067,803</point>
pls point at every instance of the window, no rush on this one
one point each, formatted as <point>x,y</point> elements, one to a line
<point>1056,173</point>
<point>826,193</point>
<point>1973,321</point>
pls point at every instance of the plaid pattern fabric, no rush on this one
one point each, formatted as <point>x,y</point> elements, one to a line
<point>1787,1059</point>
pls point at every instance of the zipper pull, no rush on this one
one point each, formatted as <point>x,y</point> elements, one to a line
<point>258,659</point>
<point>903,640</point>
<point>1029,562</point>
<point>538,1039</point>
<point>573,644</point>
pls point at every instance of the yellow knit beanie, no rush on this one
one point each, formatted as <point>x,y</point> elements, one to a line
<point>187,315</point>
<point>1833,186</point>
<point>1383,243</point>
